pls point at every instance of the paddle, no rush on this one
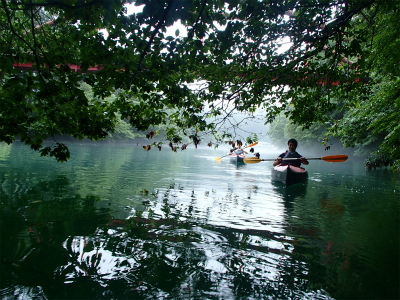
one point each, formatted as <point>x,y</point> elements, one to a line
<point>330,158</point>
<point>251,145</point>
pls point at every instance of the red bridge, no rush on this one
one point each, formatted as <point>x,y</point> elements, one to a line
<point>76,68</point>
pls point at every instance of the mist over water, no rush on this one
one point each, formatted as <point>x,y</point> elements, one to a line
<point>119,222</point>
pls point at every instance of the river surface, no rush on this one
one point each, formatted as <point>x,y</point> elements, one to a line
<point>117,222</point>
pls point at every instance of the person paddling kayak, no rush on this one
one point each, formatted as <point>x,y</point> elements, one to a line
<point>291,153</point>
<point>240,151</point>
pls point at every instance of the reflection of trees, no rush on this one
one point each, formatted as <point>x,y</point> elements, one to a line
<point>171,248</point>
<point>89,169</point>
<point>150,258</point>
<point>5,151</point>
<point>142,264</point>
<point>35,219</point>
<point>340,239</point>
<point>69,250</point>
<point>172,256</point>
<point>150,255</point>
<point>289,194</point>
<point>312,255</point>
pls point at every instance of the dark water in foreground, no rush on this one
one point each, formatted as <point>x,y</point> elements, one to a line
<point>117,222</point>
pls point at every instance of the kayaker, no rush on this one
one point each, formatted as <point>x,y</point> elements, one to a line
<point>237,151</point>
<point>291,153</point>
<point>240,151</point>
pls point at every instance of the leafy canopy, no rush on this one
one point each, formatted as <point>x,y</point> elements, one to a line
<point>230,59</point>
<point>371,120</point>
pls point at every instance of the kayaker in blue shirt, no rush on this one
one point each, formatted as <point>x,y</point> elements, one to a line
<point>240,151</point>
<point>237,151</point>
<point>291,153</point>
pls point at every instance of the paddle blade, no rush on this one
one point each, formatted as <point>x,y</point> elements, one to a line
<point>218,158</point>
<point>251,145</point>
<point>252,160</point>
<point>335,158</point>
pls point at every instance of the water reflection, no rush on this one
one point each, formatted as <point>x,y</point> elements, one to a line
<point>237,164</point>
<point>65,251</point>
<point>290,193</point>
<point>186,228</point>
<point>179,259</point>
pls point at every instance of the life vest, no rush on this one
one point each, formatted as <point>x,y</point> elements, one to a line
<point>238,152</point>
<point>296,163</point>
<point>291,155</point>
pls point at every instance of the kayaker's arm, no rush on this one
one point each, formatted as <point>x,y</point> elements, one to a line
<point>277,161</point>
<point>304,161</point>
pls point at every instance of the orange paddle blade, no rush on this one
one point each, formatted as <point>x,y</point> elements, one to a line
<point>251,145</point>
<point>335,158</point>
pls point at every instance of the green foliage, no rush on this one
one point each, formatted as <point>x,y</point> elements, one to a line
<point>59,151</point>
<point>374,122</point>
<point>364,116</point>
<point>282,129</point>
<point>226,58</point>
<point>372,118</point>
<point>377,160</point>
<point>252,138</point>
<point>123,131</point>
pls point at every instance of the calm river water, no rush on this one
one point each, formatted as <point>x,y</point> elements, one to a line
<point>117,222</point>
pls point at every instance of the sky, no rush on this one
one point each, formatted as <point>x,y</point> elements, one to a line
<point>171,30</point>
